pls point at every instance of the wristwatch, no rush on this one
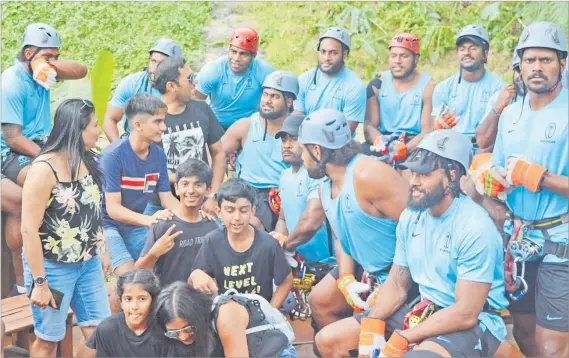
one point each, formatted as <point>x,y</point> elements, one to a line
<point>40,280</point>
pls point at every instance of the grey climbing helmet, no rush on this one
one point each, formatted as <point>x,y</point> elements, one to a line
<point>336,33</point>
<point>41,36</point>
<point>167,47</point>
<point>283,81</point>
<point>325,127</point>
<point>475,33</point>
<point>545,35</point>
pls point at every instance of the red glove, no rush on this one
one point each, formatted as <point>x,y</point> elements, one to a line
<point>44,73</point>
<point>396,346</point>
<point>446,119</point>
<point>525,173</point>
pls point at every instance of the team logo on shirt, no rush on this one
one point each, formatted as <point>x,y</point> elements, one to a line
<point>550,130</point>
<point>416,99</point>
<point>146,185</point>
<point>347,203</point>
<point>485,96</point>
<point>299,188</point>
<point>446,243</point>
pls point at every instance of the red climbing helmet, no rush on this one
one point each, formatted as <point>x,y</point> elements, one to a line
<point>245,38</point>
<point>406,40</point>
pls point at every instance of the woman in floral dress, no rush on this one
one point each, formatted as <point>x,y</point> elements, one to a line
<point>62,229</point>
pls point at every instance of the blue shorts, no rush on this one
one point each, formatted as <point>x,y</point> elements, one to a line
<point>83,288</point>
<point>126,246</point>
<point>288,352</point>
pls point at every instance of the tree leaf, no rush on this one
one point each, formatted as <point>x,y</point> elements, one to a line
<point>491,11</point>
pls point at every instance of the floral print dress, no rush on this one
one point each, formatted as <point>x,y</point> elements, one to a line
<point>72,228</point>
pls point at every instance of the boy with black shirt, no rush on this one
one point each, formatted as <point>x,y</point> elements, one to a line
<point>192,128</point>
<point>172,246</point>
<point>239,255</point>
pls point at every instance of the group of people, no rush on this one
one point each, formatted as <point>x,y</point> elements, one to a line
<point>453,209</point>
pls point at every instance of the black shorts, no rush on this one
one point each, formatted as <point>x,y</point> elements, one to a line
<point>469,343</point>
<point>14,164</point>
<point>547,296</point>
<point>264,213</point>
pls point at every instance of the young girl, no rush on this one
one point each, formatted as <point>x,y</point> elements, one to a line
<point>228,326</point>
<point>128,333</point>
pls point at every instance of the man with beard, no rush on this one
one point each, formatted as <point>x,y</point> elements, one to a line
<point>531,154</point>
<point>234,82</point>
<point>191,128</point>
<point>139,82</point>
<point>331,84</point>
<point>362,199</point>
<point>260,161</point>
<point>301,217</point>
<point>399,103</point>
<point>465,95</point>
<point>447,244</point>
<point>486,131</point>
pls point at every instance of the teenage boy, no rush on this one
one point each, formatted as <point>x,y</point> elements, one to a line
<point>172,246</point>
<point>239,255</point>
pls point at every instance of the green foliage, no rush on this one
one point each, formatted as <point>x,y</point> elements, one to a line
<point>290,39</point>
<point>125,29</point>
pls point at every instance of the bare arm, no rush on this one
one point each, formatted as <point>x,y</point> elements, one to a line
<point>393,293</point>
<point>470,299</point>
<point>487,129</point>
<point>147,261</point>
<point>282,292</point>
<point>309,223</point>
<point>69,70</point>
<point>231,324</point>
<point>35,195</point>
<point>119,213</point>
<point>371,124</point>
<point>381,186</point>
<point>235,136</point>
<point>168,200</point>
<point>353,125</point>
<point>17,142</point>
<point>426,122</point>
<point>345,262</point>
<point>556,183</point>
<point>112,118</point>
<point>219,164</point>
<point>281,224</point>
<point>199,95</point>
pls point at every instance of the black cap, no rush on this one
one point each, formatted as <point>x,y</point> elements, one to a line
<point>477,40</point>
<point>290,126</point>
<point>421,163</point>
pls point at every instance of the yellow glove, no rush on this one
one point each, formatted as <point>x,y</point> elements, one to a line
<point>352,289</point>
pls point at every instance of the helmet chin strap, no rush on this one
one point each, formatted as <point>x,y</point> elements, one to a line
<point>321,163</point>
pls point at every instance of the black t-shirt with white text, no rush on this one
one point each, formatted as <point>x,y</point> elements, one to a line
<point>252,271</point>
<point>176,264</point>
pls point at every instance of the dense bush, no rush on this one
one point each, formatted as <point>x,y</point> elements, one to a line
<point>290,38</point>
<point>126,29</point>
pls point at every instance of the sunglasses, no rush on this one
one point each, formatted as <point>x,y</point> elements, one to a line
<point>192,77</point>
<point>85,104</point>
<point>175,333</point>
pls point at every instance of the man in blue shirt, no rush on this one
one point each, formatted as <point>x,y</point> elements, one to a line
<point>260,161</point>
<point>234,82</point>
<point>331,84</point>
<point>362,199</point>
<point>301,217</point>
<point>486,130</point>
<point>26,118</point>
<point>531,154</point>
<point>399,102</point>
<point>139,82</point>
<point>467,93</point>
<point>134,167</point>
<point>449,246</point>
